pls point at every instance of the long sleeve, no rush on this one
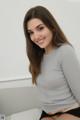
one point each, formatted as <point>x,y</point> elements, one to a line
<point>71,70</point>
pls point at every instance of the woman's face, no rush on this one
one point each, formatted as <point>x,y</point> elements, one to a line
<point>40,34</point>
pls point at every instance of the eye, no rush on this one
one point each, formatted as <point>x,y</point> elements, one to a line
<point>41,28</point>
<point>30,32</point>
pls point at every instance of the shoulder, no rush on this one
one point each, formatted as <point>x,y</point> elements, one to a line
<point>66,52</point>
<point>66,49</point>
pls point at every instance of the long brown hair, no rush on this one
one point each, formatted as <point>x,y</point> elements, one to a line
<point>34,52</point>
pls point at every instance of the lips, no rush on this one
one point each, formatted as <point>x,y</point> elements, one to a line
<point>40,41</point>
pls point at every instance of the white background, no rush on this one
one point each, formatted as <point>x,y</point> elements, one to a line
<point>13,60</point>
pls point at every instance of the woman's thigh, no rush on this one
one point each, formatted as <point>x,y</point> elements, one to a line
<point>48,118</point>
<point>62,117</point>
<point>67,117</point>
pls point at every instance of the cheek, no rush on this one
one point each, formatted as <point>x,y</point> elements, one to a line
<point>32,38</point>
<point>49,36</point>
<point>48,33</point>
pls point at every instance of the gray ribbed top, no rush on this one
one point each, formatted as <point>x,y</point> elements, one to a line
<point>60,74</point>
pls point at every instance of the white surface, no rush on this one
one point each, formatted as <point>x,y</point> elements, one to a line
<point>33,114</point>
<point>16,83</point>
<point>17,96</point>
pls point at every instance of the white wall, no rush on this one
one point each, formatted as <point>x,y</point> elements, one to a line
<point>13,59</point>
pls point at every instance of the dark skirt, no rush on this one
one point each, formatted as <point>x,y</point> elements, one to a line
<point>75,112</point>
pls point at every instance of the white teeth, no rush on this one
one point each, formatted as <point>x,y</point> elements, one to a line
<point>41,41</point>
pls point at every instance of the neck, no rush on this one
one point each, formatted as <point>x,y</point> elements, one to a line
<point>48,50</point>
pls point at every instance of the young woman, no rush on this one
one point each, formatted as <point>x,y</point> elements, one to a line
<point>53,64</point>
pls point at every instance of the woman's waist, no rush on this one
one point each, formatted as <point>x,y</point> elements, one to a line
<point>59,108</point>
<point>73,106</point>
<point>65,108</point>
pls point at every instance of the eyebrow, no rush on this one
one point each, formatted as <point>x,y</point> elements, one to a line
<point>36,27</point>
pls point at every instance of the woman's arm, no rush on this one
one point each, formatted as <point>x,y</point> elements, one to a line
<point>71,70</point>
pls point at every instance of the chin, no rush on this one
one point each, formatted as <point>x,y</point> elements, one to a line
<point>42,46</point>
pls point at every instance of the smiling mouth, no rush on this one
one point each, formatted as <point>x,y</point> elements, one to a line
<point>40,41</point>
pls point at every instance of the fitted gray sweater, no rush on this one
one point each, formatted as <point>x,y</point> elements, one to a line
<point>59,81</point>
